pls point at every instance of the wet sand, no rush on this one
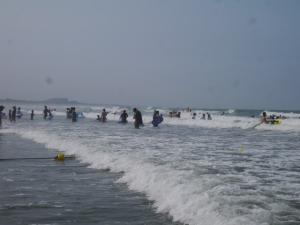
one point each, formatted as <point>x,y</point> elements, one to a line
<point>44,191</point>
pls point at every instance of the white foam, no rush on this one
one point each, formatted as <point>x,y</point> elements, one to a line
<point>220,121</point>
<point>187,198</point>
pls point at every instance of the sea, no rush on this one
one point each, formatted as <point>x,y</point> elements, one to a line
<point>230,170</point>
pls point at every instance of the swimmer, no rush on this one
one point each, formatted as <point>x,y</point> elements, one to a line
<point>123,117</point>
<point>209,116</point>
<point>194,116</point>
<point>264,118</point>
<point>138,120</point>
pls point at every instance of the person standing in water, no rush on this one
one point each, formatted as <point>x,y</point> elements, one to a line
<point>138,120</point>
<point>264,118</point>
<point>209,116</point>
<point>103,116</point>
<point>123,117</point>
<point>74,115</point>
<point>1,109</point>
<point>157,118</point>
<point>19,113</point>
<point>10,115</point>
<point>14,114</point>
<point>45,112</point>
<point>32,115</point>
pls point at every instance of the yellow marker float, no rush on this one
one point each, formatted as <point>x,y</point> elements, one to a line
<point>276,122</point>
<point>60,157</point>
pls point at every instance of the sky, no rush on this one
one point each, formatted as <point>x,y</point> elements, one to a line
<point>177,53</point>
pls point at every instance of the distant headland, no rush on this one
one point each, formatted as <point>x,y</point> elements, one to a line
<point>50,100</point>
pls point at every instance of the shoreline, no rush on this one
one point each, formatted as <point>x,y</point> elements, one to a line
<point>45,191</point>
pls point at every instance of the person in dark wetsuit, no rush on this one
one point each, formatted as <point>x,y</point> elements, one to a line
<point>32,115</point>
<point>14,114</point>
<point>1,109</point>
<point>138,120</point>
<point>45,112</point>
<point>123,117</point>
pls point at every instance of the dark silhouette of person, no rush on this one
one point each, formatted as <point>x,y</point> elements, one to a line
<point>19,113</point>
<point>98,118</point>
<point>123,117</point>
<point>10,115</point>
<point>138,120</point>
<point>50,116</point>
<point>1,109</point>
<point>32,115</point>
<point>194,116</point>
<point>14,114</point>
<point>209,116</point>
<point>45,112</point>
<point>103,116</point>
<point>264,118</point>
<point>74,115</point>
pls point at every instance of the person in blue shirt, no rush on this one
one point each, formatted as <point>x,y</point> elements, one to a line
<point>157,118</point>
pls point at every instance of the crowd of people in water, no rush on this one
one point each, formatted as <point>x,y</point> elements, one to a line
<point>16,113</point>
<point>73,115</point>
<point>13,114</point>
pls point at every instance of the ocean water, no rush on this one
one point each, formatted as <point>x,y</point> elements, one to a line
<point>197,172</point>
<point>40,190</point>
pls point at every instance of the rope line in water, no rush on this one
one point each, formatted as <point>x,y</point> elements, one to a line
<point>54,158</point>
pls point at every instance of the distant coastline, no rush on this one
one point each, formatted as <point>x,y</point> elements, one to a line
<point>50,100</point>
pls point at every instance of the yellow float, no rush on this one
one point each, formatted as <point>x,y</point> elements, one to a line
<point>60,157</point>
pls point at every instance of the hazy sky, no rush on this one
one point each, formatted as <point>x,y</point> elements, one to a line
<point>213,53</point>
